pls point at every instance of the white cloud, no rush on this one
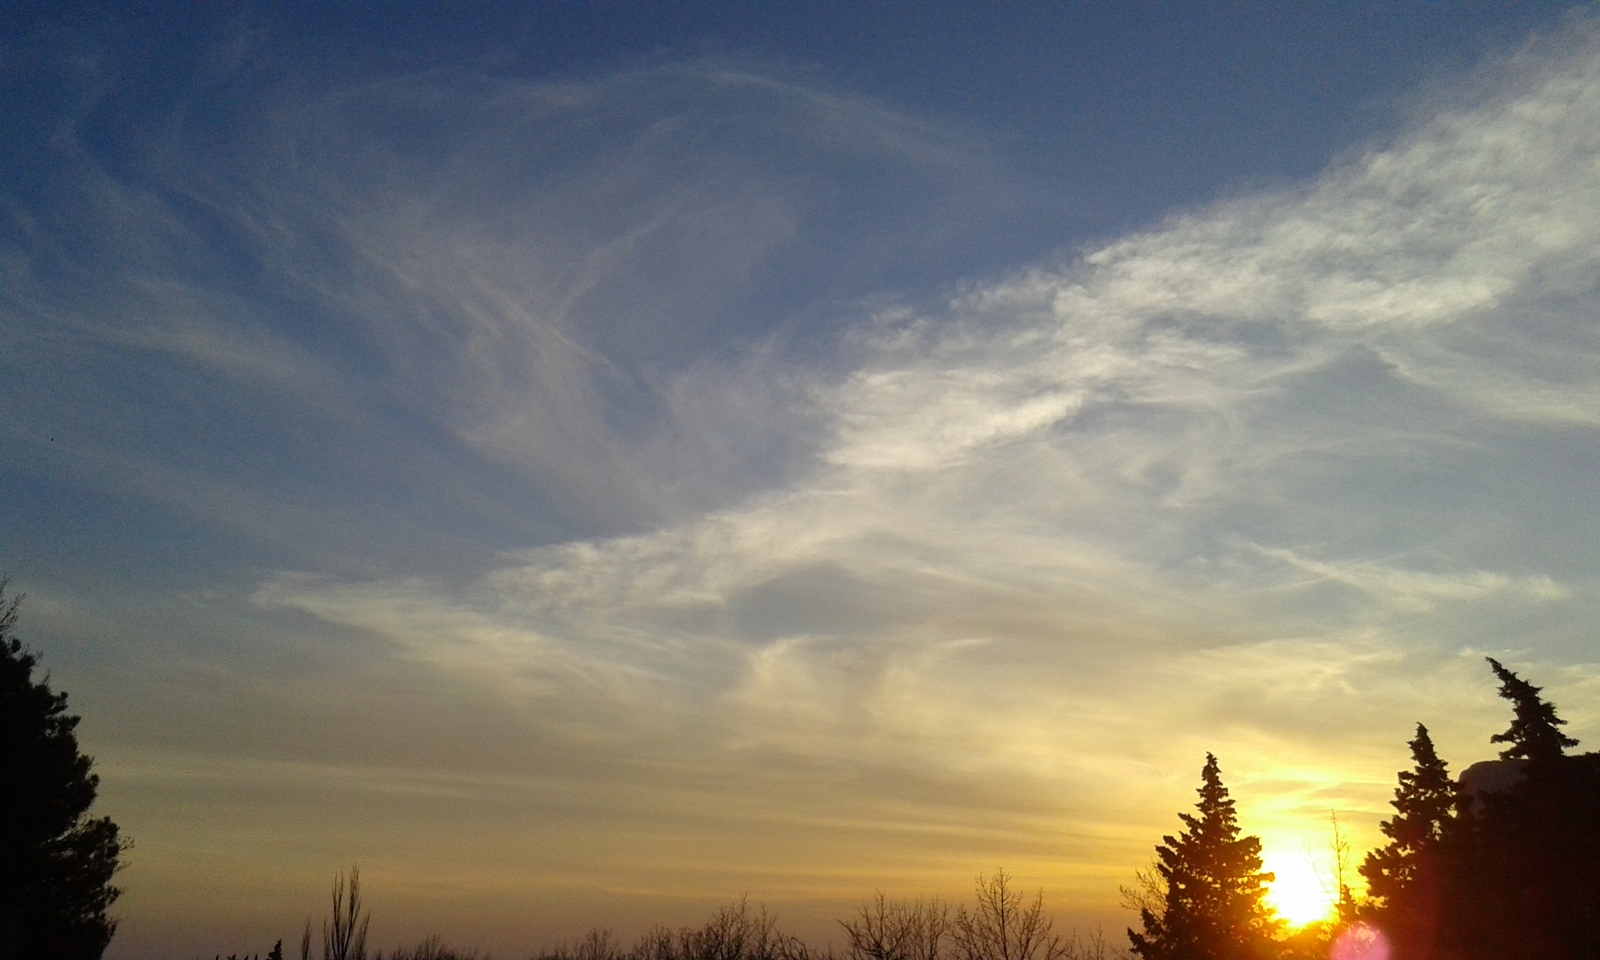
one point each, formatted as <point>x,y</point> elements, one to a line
<point>1419,589</point>
<point>1042,490</point>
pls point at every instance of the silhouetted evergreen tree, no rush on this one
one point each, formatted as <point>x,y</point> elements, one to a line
<point>55,862</point>
<point>1522,873</point>
<point>1533,735</point>
<point>1404,876</point>
<point>1214,908</point>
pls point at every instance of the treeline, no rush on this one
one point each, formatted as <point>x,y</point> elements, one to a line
<point>1001,924</point>
<point>1502,863</point>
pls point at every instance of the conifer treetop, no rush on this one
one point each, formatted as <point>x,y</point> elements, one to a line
<point>1533,734</point>
<point>1424,798</point>
<point>1424,802</point>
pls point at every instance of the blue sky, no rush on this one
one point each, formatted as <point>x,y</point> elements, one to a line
<point>587,462</point>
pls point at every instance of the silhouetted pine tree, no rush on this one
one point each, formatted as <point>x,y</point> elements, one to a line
<point>1214,907</point>
<point>1533,735</point>
<point>1404,876</point>
<point>56,863</point>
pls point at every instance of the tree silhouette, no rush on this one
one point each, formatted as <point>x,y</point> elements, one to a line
<point>1511,872</point>
<point>1403,876</point>
<point>895,930</point>
<point>1214,907</point>
<point>345,936</point>
<point>1533,735</point>
<point>1526,878</point>
<point>56,863</point>
<point>1001,927</point>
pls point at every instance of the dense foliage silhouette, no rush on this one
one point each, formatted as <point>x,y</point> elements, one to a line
<point>1533,735</point>
<point>1215,906</point>
<point>1527,866</point>
<point>56,862</point>
<point>1504,862</point>
<point>1403,876</point>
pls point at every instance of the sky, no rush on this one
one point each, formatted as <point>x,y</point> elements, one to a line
<point>589,462</point>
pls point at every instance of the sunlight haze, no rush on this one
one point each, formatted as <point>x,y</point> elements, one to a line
<point>1303,889</point>
<point>590,463</point>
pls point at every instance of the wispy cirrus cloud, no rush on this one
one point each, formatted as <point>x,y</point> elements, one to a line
<point>1417,588</point>
<point>519,275</point>
<point>1018,540</point>
<point>772,572</point>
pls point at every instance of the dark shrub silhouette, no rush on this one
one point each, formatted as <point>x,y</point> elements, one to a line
<point>433,948</point>
<point>56,862</point>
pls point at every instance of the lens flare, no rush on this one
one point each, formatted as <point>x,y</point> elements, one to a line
<point>1360,942</point>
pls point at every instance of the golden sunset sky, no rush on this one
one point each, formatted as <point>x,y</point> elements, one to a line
<point>586,464</point>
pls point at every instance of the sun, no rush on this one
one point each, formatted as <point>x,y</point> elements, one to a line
<point>1302,893</point>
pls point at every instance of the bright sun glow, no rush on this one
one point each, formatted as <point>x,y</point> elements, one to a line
<point>1302,893</point>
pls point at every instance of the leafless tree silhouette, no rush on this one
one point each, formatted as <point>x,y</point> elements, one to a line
<point>1147,892</point>
<point>345,936</point>
<point>736,933</point>
<point>896,930</point>
<point>1001,927</point>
